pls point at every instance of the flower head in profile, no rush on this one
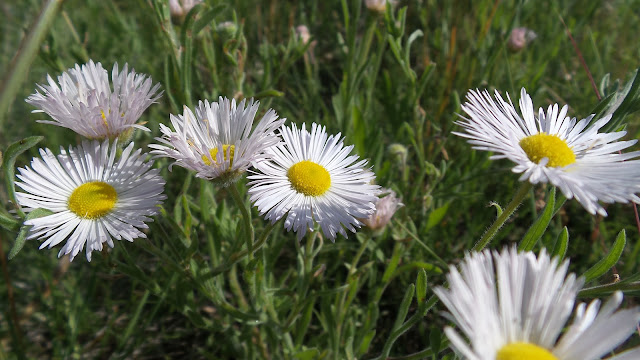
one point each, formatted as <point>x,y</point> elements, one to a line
<point>94,197</point>
<point>385,208</point>
<point>84,101</point>
<point>514,306</point>
<point>219,142</point>
<point>554,148</point>
<point>312,178</point>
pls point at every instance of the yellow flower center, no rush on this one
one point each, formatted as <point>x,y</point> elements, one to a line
<point>309,178</point>
<point>543,145</point>
<point>92,200</point>
<point>524,351</point>
<point>214,152</point>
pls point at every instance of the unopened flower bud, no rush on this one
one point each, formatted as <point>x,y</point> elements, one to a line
<point>379,6</point>
<point>226,30</point>
<point>520,38</point>
<point>302,31</point>
<point>400,152</point>
<point>385,208</point>
<point>180,8</point>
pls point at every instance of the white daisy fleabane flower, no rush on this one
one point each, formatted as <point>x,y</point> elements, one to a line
<point>513,306</point>
<point>312,178</point>
<point>217,142</point>
<point>553,148</point>
<point>84,101</point>
<point>95,197</point>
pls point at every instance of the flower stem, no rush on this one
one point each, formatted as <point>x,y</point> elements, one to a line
<point>13,314</point>
<point>237,256</point>
<point>506,214</point>
<point>246,216</point>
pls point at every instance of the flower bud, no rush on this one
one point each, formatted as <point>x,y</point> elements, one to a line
<point>379,6</point>
<point>385,208</point>
<point>520,38</point>
<point>302,32</point>
<point>400,152</point>
<point>180,8</point>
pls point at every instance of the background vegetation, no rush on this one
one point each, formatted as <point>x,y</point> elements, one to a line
<point>392,84</point>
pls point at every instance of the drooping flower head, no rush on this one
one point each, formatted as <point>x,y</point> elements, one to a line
<point>95,197</point>
<point>514,306</point>
<point>313,179</point>
<point>84,101</point>
<point>218,142</point>
<point>554,148</point>
<point>385,208</point>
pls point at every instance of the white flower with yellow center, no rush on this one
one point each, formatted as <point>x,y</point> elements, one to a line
<point>94,197</point>
<point>218,142</point>
<point>553,148</point>
<point>85,102</point>
<point>313,179</point>
<point>514,306</point>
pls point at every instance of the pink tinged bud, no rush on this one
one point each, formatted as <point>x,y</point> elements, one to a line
<point>379,6</point>
<point>302,31</point>
<point>180,8</point>
<point>520,38</point>
<point>385,208</point>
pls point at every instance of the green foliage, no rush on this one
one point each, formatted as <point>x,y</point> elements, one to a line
<point>212,279</point>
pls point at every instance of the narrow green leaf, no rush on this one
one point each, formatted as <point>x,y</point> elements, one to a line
<point>421,286</point>
<point>186,39</point>
<point>435,340</point>
<point>8,163</point>
<point>9,222</point>
<point>395,48</point>
<point>498,208</point>
<point>24,230</point>
<point>436,216</point>
<point>625,101</point>
<point>309,354</point>
<point>628,287</point>
<point>366,342</point>
<point>206,17</point>
<point>609,261</point>
<point>560,247</point>
<point>403,310</point>
<point>188,219</point>
<point>393,264</point>
<point>268,93</point>
<point>348,348</point>
<point>540,225</point>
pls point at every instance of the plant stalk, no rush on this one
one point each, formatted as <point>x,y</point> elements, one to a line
<point>506,214</point>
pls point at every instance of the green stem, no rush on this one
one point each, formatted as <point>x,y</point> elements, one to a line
<point>246,216</point>
<point>237,256</point>
<point>13,314</point>
<point>342,307</point>
<point>18,70</point>
<point>414,319</point>
<point>506,214</point>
